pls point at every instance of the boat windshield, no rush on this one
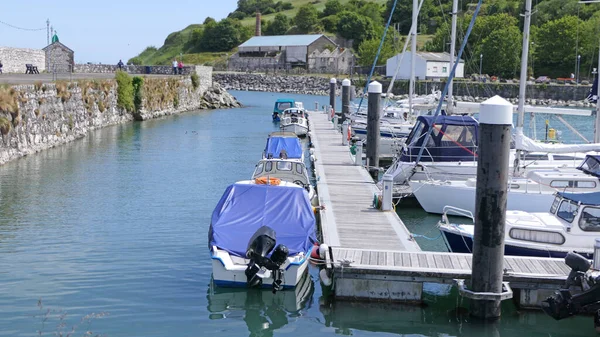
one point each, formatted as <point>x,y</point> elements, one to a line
<point>283,105</point>
<point>567,210</point>
<point>284,166</point>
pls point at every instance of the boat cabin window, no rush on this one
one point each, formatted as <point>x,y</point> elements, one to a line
<point>572,184</point>
<point>284,166</point>
<point>458,134</point>
<point>284,105</point>
<point>268,166</point>
<point>555,205</point>
<point>416,133</point>
<point>259,168</point>
<point>590,219</point>
<point>563,157</point>
<point>567,210</point>
<point>531,156</point>
<point>299,169</point>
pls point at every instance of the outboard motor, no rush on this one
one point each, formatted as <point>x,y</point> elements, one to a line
<point>563,304</point>
<point>259,247</point>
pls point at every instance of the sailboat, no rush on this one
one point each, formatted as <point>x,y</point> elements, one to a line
<point>527,154</point>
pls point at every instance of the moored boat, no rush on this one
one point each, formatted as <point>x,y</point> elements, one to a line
<point>285,145</point>
<point>572,224</point>
<point>294,120</point>
<point>280,105</point>
<point>286,170</point>
<point>248,222</point>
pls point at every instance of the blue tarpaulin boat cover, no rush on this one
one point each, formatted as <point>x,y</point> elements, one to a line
<point>244,208</point>
<point>290,144</point>
<point>592,198</point>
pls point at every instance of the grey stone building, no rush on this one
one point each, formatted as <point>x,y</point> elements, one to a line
<point>278,52</point>
<point>337,61</point>
<point>59,58</point>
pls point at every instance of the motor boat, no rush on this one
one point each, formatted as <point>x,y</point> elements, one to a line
<point>294,120</point>
<point>286,170</point>
<point>532,193</point>
<point>261,235</point>
<point>572,224</point>
<point>285,145</point>
<point>280,105</point>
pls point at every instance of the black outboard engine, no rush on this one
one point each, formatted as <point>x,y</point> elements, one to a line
<point>259,247</point>
<point>563,304</point>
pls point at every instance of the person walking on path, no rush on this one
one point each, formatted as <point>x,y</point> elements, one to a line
<point>1,67</point>
<point>180,67</point>
<point>174,67</point>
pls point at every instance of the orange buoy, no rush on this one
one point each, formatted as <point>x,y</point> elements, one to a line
<point>314,253</point>
<point>267,181</point>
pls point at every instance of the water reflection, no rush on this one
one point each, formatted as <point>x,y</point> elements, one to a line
<point>262,311</point>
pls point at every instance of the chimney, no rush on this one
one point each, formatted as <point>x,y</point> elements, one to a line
<point>257,31</point>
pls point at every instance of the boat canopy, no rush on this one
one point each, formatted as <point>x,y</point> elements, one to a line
<point>291,145</point>
<point>283,103</point>
<point>591,198</point>
<point>244,208</point>
<point>452,138</point>
<point>591,165</point>
<point>527,144</point>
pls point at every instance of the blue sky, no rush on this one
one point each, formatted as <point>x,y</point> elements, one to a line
<point>104,31</point>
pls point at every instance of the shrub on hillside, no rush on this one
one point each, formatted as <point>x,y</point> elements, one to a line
<point>124,91</point>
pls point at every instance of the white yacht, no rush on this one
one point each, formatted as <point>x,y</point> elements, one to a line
<point>572,224</point>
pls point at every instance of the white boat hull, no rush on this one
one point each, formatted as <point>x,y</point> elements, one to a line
<point>298,129</point>
<point>434,196</point>
<point>229,271</point>
<point>388,146</point>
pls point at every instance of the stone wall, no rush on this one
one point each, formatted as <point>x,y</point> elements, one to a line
<point>468,91</point>
<point>15,59</point>
<point>111,68</point>
<point>312,85</point>
<point>40,116</point>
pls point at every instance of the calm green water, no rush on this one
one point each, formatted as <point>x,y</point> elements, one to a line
<point>114,226</point>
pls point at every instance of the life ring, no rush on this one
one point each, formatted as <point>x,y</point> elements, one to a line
<point>267,181</point>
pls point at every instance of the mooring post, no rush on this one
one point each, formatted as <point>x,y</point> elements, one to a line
<point>328,112</point>
<point>335,122</point>
<point>495,122</point>
<point>386,191</point>
<point>596,264</point>
<point>316,106</point>
<point>373,111</point>
<point>358,155</point>
<point>345,99</point>
<point>332,86</point>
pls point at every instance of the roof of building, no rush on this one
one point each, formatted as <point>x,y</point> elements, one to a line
<point>430,56</point>
<point>281,40</point>
<point>58,44</point>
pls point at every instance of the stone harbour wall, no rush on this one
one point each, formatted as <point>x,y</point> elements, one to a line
<point>539,94</point>
<point>15,59</point>
<point>40,116</point>
<point>310,85</point>
<point>111,68</point>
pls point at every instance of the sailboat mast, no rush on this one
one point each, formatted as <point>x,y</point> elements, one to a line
<point>524,56</point>
<point>597,123</point>
<point>413,55</point>
<point>450,106</point>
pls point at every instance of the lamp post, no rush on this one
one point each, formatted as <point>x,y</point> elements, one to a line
<point>480,65</point>
<point>532,59</point>
<point>578,65</point>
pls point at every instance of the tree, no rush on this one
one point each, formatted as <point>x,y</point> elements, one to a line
<point>501,51</point>
<point>279,26</point>
<point>209,20</point>
<point>353,26</point>
<point>367,50</point>
<point>306,19</point>
<point>555,47</point>
<point>223,36</point>
<point>332,7</point>
<point>403,13</point>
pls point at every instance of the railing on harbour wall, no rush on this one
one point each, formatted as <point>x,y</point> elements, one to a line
<point>131,69</point>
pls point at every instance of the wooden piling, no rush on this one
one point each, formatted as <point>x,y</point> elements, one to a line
<point>495,121</point>
<point>332,86</point>
<point>345,99</point>
<point>373,113</point>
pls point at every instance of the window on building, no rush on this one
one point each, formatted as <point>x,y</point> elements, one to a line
<point>444,70</point>
<point>435,69</point>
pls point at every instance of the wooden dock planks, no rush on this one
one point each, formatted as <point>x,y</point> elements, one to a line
<point>347,193</point>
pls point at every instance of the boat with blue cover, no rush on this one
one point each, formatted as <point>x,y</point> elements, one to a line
<point>261,236</point>
<point>571,225</point>
<point>284,145</point>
